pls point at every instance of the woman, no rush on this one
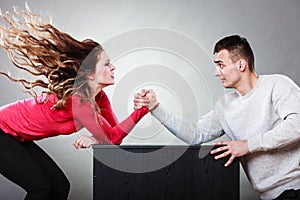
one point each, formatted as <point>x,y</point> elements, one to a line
<point>72,74</point>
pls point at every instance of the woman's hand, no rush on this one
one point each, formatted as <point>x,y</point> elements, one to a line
<point>84,141</point>
<point>140,99</point>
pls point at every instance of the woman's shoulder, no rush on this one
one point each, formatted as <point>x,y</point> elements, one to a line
<point>101,97</point>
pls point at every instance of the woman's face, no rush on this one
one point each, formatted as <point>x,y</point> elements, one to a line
<point>103,75</point>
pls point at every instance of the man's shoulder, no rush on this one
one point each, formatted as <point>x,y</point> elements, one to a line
<point>280,81</point>
<point>281,85</point>
<point>276,78</point>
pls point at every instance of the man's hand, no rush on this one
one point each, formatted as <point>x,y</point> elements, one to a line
<point>84,141</point>
<point>153,103</point>
<point>236,148</point>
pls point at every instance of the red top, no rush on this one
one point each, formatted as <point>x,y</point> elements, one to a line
<point>30,120</point>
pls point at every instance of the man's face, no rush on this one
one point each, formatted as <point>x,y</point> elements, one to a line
<point>226,70</point>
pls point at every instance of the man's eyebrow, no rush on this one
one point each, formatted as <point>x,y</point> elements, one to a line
<point>218,61</point>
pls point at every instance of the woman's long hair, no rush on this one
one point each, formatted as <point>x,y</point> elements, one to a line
<point>59,62</point>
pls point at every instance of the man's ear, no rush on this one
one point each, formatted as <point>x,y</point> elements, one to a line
<point>242,65</point>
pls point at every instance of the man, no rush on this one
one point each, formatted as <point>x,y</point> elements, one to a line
<point>261,117</point>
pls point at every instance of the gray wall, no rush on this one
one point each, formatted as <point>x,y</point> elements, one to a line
<point>165,45</point>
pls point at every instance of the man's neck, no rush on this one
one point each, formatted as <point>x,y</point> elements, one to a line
<point>247,83</point>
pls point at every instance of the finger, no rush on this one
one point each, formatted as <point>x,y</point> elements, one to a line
<point>136,103</point>
<point>86,144</point>
<point>223,148</point>
<point>141,104</point>
<point>151,94</point>
<point>222,155</point>
<point>151,91</point>
<point>144,92</point>
<point>76,143</point>
<point>75,146</point>
<point>141,100</point>
<point>79,142</point>
<point>231,159</point>
<point>137,107</point>
<point>138,95</point>
<point>81,145</point>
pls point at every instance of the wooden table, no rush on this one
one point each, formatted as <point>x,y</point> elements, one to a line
<point>162,173</point>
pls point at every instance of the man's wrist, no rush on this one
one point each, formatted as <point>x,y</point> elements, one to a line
<point>154,107</point>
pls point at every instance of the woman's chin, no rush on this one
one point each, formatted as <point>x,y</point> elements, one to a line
<point>102,85</point>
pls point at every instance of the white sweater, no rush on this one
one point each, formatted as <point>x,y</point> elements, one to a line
<point>268,117</point>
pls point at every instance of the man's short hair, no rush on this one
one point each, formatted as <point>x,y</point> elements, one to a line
<point>238,48</point>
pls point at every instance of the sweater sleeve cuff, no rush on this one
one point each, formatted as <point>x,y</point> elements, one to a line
<point>253,144</point>
<point>160,113</point>
<point>138,114</point>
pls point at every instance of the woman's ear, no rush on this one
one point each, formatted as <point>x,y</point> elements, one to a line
<point>90,77</point>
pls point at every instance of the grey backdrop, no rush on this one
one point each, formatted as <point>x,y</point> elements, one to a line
<point>271,26</point>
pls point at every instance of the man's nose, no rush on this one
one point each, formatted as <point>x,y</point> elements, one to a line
<point>217,72</point>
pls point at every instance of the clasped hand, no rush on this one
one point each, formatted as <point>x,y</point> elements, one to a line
<point>145,98</point>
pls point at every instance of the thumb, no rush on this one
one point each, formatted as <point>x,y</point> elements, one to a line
<point>144,92</point>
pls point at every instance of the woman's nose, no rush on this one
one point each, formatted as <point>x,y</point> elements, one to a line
<point>112,67</point>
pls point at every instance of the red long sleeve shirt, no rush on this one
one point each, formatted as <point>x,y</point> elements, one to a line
<point>30,120</point>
